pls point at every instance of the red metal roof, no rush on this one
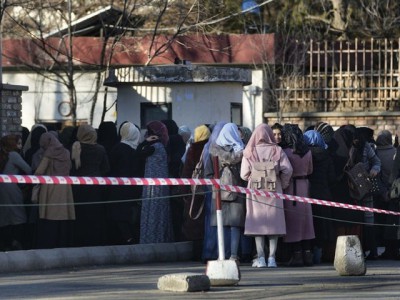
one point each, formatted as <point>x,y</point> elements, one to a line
<point>199,49</point>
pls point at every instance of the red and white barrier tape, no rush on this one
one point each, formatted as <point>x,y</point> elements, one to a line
<point>32,179</point>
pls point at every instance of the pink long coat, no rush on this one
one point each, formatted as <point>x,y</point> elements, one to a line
<point>299,220</point>
<point>267,217</point>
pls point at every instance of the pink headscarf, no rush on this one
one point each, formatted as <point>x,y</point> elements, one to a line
<point>262,135</point>
<point>159,129</point>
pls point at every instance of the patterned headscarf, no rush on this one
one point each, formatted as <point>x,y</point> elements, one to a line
<point>130,135</point>
<point>229,136</point>
<point>314,138</point>
<point>292,137</point>
<point>262,134</point>
<point>326,131</point>
<point>159,129</point>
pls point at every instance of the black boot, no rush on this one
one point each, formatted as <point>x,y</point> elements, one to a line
<point>296,260</point>
<point>308,258</point>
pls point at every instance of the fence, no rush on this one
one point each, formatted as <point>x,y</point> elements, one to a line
<point>341,76</point>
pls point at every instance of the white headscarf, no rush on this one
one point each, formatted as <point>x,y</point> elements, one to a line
<point>130,135</point>
<point>229,136</point>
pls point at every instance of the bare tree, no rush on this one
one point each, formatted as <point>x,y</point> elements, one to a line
<point>54,59</point>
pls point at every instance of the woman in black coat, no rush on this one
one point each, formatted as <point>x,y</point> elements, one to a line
<point>321,179</point>
<point>126,161</point>
<point>89,159</point>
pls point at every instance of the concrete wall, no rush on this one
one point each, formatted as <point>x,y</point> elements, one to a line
<point>193,104</point>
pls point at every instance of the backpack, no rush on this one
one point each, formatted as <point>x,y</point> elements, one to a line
<point>229,176</point>
<point>263,176</point>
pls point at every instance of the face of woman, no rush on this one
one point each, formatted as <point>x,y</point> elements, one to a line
<point>277,135</point>
<point>19,144</point>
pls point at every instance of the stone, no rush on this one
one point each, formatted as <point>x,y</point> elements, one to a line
<point>223,272</point>
<point>184,282</point>
<point>349,256</point>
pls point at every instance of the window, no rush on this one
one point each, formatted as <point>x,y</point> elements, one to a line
<point>154,111</point>
<point>236,114</point>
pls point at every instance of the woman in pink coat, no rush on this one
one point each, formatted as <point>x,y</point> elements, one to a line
<point>265,216</point>
<point>299,218</point>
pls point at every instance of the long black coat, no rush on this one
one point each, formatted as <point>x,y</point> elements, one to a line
<point>90,229</point>
<point>321,180</point>
<point>125,162</point>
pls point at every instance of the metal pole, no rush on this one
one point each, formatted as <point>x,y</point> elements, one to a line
<point>218,207</point>
<point>1,41</point>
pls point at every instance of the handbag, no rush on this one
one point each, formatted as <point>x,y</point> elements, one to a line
<point>378,187</point>
<point>395,189</point>
<point>197,173</point>
<point>359,182</point>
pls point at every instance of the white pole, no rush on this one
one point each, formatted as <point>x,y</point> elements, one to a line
<point>220,230</point>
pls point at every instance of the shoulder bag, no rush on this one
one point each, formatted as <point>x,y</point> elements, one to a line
<point>198,172</point>
<point>359,182</point>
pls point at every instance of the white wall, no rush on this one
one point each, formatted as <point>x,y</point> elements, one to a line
<point>41,101</point>
<point>192,104</point>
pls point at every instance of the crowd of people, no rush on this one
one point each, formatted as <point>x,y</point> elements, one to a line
<point>278,158</point>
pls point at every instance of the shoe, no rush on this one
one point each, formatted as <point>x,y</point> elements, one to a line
<point>308,258</point>
<point>235,259</point>
<point>259,263</point>
<point>371,257</point>
<point>317,255</point>
<point>271,262</point>
<point>246,259</point>
<point>296,260</point>
<point>388,255</point>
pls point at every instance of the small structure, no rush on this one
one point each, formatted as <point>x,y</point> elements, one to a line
<point>189,94</point>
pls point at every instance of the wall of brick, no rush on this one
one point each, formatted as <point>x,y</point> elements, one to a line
<point>10,109</point>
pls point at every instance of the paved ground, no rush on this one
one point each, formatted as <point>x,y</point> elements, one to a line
<point>140,282</point>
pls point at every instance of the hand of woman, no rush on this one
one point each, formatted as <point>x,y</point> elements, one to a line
<point>373,173</point>
<point>152,138</point>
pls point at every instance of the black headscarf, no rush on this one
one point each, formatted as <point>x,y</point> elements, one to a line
<point>35,146</point>
<point>292,137</point>
<point>359,141</point>
<point>107,135</point>
<point>343,138</point>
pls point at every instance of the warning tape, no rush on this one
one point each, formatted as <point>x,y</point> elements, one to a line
<point>74,180</point>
